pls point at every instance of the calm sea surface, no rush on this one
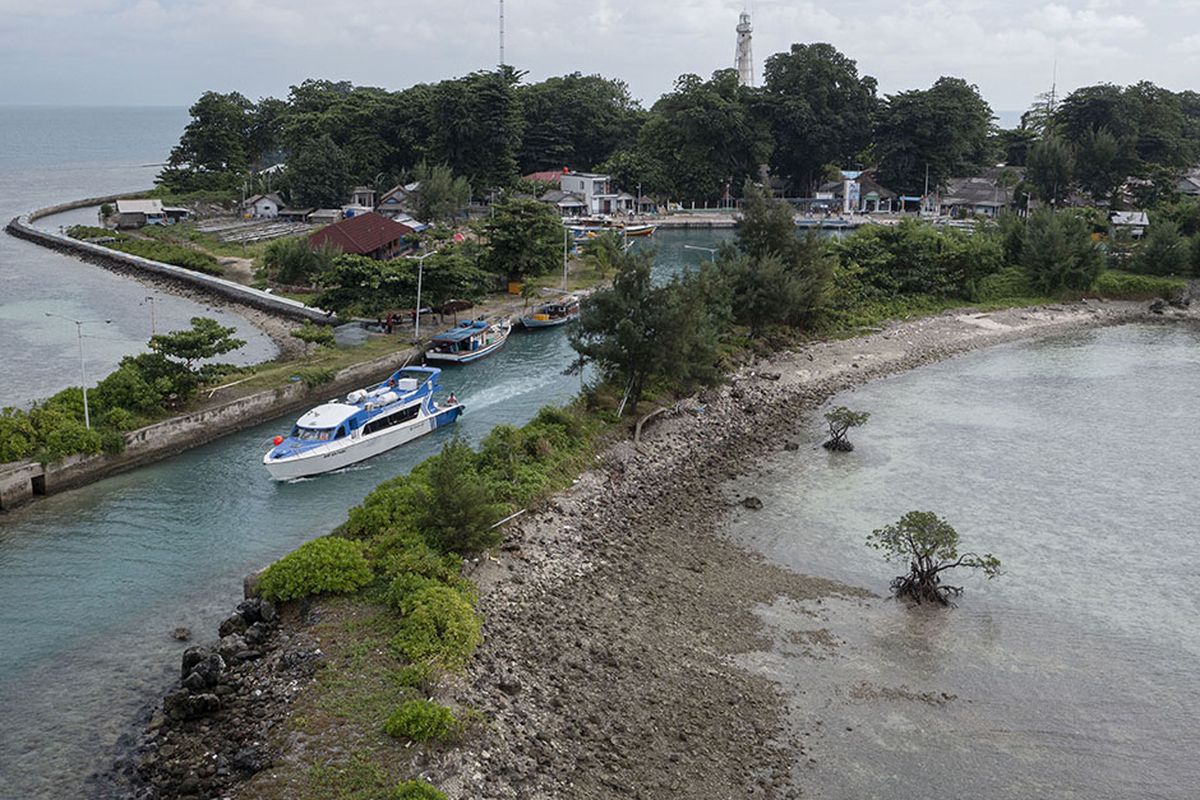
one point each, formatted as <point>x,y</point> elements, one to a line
<point>51,155</point>
<point>1074,675</point>
<point>93,582</point>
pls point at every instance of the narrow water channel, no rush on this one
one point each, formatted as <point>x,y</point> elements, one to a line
<point>93,582</point>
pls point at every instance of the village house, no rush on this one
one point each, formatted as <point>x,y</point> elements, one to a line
<point>324,216</point>
<point>565,203</point>
<point>856,192</point>
<point>397,201</point>
<point>136,213</point>
<point>262,206</point>
<point>362,196</point>
<point>982,195</point>
<point>1189,183</point>
<point>597,193</point>
<point>370,234</point>
<point>1132,222</point>
<point>295,214</point>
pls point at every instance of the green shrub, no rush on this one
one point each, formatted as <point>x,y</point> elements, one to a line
<point>456,510</point>
<point>413,676</point>
<point>422,721</point>
<point>1163,251</point>
<point>1008,282</point>
<point>92,232</point>
<point>1129,286</point>
<point>169,253</point>
<point>68,436</point>
<point>439,627</point>
<point>18,437</point>
<point>312,377</point>
<point>329,565</point>
<point>416,790</point>
<point>111,442</point>
<point>120,419</point>
<point>1059,253</point>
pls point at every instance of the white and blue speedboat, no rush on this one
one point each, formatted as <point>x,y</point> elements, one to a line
<point>370,421</point>
<point>469,341</point>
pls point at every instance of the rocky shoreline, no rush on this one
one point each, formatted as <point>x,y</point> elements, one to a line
<point>612,614</point>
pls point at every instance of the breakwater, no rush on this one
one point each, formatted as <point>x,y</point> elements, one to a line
<point>147,269</point>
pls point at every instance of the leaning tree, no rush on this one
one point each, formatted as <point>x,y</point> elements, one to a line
<point>930,545</point>
<point>841,420</point>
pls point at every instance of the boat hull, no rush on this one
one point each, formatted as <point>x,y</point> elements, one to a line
<point>530,322</point>
<point>468,357</point>
<point>344,453</point>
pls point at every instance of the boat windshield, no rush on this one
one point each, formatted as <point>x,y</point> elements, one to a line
<point>313,434</point>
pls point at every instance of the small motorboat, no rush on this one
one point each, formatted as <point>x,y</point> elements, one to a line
<point>469,341</point>
<point>557,312</point>
<point>370,421</point>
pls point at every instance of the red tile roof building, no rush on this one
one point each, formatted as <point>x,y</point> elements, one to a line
<point>368,234</point>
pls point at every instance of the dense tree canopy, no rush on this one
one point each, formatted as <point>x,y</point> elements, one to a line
<point>576,121</point>
<point>943,129</point>
<point>821,111</point>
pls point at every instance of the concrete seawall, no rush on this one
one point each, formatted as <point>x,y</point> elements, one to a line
<point>21,482</point>
<point>138,267</point>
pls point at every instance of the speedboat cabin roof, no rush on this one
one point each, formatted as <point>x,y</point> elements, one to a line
<point>329,415</point>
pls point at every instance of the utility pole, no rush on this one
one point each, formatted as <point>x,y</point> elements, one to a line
<point>153,328</point>
<point>420,275</point>
<point>79,323</point>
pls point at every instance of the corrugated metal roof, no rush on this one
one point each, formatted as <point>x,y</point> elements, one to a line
<point>139,207</point>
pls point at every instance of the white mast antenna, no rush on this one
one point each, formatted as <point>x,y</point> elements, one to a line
<point>502,33</point>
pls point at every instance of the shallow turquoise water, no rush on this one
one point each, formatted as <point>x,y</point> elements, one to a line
<point>51,155</point>
<point>1077,673</point>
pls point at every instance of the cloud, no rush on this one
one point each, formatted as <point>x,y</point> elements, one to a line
<point>168,51</point>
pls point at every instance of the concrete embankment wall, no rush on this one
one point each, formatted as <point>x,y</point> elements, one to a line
<point>22,481</point>
<point>137,266</point>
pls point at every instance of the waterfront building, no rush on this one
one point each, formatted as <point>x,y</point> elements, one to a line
<point>856,192</point>
<point>597,193</point>
<point>136,213</point>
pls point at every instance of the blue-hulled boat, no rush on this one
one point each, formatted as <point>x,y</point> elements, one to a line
<point>370,421</point>
<point>469,341</point>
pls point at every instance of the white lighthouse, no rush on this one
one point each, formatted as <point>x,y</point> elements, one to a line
<point>745,55</point>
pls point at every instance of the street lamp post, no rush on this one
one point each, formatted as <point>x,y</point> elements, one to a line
<point>79,323</point>
<point>153,327</point>
<point>420,274</point>
<point>712,251</point>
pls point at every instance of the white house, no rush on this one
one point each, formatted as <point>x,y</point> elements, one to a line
<point>1135,222</point>
<point>362,196</point>
<point>262,206</point>
<point>597,193</point>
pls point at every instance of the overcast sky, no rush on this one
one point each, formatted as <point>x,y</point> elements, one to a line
<point>165,52</point>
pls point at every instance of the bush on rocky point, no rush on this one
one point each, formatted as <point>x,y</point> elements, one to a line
<point>422,721</point>
<point>439,626</point>
<point>416,790</point>
<point>329,565</point>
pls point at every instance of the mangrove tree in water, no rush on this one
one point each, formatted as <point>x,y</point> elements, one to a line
<point>930,545</point>
<point>841,420</point>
